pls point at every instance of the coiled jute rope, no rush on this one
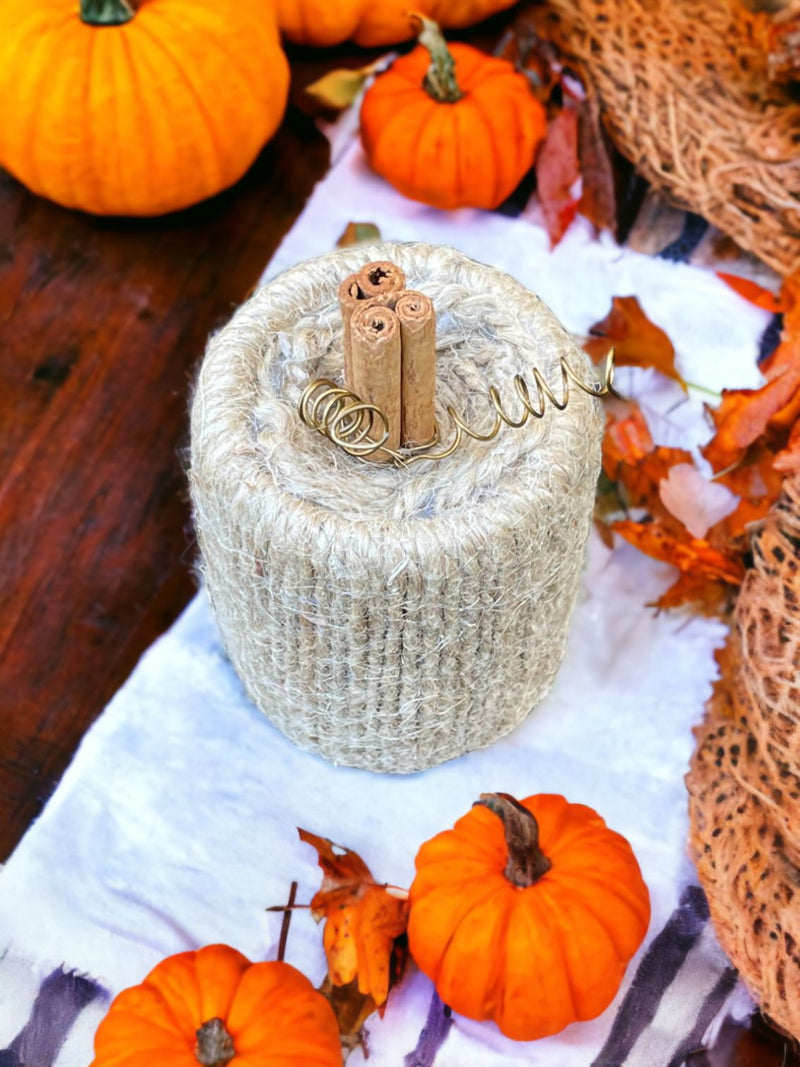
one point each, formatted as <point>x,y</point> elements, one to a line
<point>391,618</point>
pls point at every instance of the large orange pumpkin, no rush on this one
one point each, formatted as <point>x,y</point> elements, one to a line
<point>527,913</point>
<point>451,127</point>
<point>214,1007</point>
<point>123,112</point>
<point>371,24</point>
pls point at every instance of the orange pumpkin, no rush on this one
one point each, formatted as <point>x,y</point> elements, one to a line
<point>119,112</point>
<point>322,23</point>
<point>214,1007</point>
<point>451,127</point>
<point>527,914</point>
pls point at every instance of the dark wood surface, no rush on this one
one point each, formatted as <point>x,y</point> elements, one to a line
<point>101,325</point>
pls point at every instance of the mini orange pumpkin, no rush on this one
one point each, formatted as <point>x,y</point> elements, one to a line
<point>214,1007</point>
<point>322,23</point>
<point>119,112</point>
<point>451,127</point>
<point>527,913</point>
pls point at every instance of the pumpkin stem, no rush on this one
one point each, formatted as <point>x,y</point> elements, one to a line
<point>106,12</point>
<point>440,81</point>
<point>214,1046</point>
<point>526,862</point>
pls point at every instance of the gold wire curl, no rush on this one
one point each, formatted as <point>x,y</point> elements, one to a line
<point>348,421</point>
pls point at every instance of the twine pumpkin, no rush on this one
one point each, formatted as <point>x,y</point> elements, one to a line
<point>685,94</point>
<point>123,112</point>
<point>744,782</point>
<point>392,618</point>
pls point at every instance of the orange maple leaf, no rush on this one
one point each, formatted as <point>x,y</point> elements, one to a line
<point>632,460</point>
<point>745,415</point>
<point>362,918</point>
<point>769,413</point>
<point>752,292</point>
<point>689,554</point>
<point>637,341</point>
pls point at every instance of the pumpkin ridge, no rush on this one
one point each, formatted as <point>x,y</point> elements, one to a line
<point>549,909</point>
<point>619,893</point>
<point>138,1019</point>
<point>221,41</point>
<point>477,107</point>
<point>177,27</point>
<point>218,154</point>
<point>602,920</point>
<point>468,906</point>
<point>168,1008</point>
<point>58,43</point>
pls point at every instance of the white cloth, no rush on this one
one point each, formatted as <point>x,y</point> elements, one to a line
<point>175,824</point>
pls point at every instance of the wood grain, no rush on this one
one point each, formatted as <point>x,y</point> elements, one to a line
<point>101,324</point>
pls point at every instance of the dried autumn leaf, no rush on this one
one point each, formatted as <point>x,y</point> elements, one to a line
<point>707,596</point>
<point>352,1008</point>
<point>356,233</point>
<point>752,292</point>
<point>532,56</point>
<point>637,342</point>
<point>789,458</point>
<point>363,918</point>
<point>696,502</point>
<point>556,173</point>
<point>745,415</point>
<point>337,89</point>
<point>598,202</point>
<point>689,554</point>
<point>635,464</point>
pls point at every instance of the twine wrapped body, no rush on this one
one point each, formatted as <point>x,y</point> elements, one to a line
<point>391,618</point>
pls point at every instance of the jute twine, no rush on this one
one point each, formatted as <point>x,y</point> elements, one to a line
<point>685,94</point>
<point>744,782</point>
<point>392,618</point>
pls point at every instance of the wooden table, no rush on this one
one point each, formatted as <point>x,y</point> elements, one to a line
<point>102,322</point>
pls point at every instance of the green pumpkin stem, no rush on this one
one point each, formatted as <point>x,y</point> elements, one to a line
<point>106,12</point>
<point>526,862</point>
<point>440,81</point>
<point>214,1046</point>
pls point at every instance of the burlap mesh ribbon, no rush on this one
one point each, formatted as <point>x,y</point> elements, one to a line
<point>744,782</point>
<point>685,94</point>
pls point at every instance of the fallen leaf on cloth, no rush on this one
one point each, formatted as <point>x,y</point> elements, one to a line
<point>557,172</point>
<point>598,202</point>
<point>689,554</point>
<point>356,233</point>
<point>744,415</point>
<point>637,342</point>
<point>363,919</point>
<point>695,501</point>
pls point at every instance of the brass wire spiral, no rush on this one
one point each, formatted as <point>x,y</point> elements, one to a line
<point>349,422</point>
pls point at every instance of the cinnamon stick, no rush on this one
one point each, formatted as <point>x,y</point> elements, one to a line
<point>418,342</point>
<point>349,297</point>
<point>376,367</point>
<point>380,279</point>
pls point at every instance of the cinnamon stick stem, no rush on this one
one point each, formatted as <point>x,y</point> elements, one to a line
<point>418,342</point>
<point>376,366</point>
<point>350,296</point>
<point>380,278</point>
